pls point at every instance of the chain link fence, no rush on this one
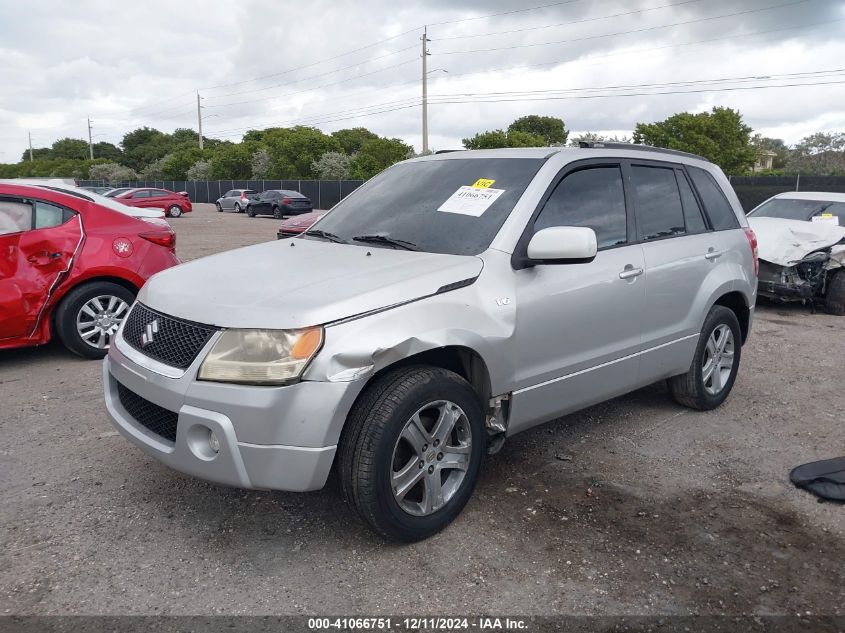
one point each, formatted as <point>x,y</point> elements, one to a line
<point>752,190</point>
<point>324,194</point>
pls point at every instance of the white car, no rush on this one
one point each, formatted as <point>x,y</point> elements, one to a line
<point>801,241</point>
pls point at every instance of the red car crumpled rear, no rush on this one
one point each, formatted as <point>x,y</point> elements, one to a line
<point>71,268</point>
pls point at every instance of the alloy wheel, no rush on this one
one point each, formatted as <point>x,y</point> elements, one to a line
<point>430,458</point>
<point>99,318</point>
<point>718,360</point>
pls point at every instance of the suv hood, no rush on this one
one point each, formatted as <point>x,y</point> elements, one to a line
<point>784,242</point>
<point>299,283</point>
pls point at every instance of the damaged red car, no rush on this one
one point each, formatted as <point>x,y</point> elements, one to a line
<point>71,264</point>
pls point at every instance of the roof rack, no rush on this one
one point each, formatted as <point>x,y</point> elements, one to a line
<point>641,148</point>
<point>448,151</point>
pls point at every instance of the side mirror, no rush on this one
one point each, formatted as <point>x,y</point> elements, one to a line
<point>127,196</point>
<point>563,244</point>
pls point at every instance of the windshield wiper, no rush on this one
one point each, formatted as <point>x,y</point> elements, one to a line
<point>384,239</point>
<point>326,235</point>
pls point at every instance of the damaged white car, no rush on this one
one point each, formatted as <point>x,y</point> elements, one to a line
<point>801,238</point>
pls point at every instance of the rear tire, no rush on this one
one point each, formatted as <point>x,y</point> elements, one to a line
<point>174,211</point>
<point>708,381</point>
<point>378,451</point>
<point>834,300</point>
<point>238,208</point>
<point>277,213</point>
<point>79,313</point>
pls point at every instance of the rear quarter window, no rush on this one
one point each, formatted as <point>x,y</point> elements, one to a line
<point>716,205</point>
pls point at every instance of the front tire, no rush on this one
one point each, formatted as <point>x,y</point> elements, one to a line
<point>174,211</point>
<point>834,299</point>
<point>250,211</point>
<point>715,365</point>
<point>411,451</point>
<point>88,317</point>
<point>219,208</point>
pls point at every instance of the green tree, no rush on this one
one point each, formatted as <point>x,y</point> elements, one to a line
<point>176,164</point>
<point>719,135</point>
<point>332,166</point>
<point>549,128</point>
<point>592,137</point>
<point>109,151</point>
<point>200,170</point>
<point>378,154</point>
<point>232,161</point>
<point>144,146</point>
<point>111,173</point>
<point>294,150</point>
<point>353,139</point>
<point>261,163</point>
<point>499,138</point>
<point>822,154</point>
<point>73,148</point>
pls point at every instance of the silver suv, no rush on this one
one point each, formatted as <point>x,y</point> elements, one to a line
<point>448,303</point>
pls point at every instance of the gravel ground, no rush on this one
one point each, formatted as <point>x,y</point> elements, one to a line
<point>635,506</point>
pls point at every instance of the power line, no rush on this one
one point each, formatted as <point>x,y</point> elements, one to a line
<point>288,94</point>
<point>626,53</point>
<point>642,30</point>
<point>571,22</point>
<point>543,95</point>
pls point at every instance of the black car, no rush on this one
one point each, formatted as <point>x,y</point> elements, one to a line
<point>279,203</point>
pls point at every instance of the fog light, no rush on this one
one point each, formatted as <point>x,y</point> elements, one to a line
<point>213,442</point>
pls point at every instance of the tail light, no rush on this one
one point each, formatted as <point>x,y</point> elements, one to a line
<point>286,201</point>
<point>162,238</point>
<point>243,195</point>
<point>752,242</point>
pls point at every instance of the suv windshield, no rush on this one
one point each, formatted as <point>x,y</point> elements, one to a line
<point>790,209</point>
<point>454,206</point>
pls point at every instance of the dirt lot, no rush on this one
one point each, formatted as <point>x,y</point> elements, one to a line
<point>636,506</point>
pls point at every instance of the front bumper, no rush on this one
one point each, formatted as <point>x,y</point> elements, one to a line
<point>280,438</point>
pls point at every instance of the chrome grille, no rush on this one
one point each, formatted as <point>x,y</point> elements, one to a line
<point>171,341</point>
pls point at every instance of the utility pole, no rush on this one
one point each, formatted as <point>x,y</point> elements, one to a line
<point>90,143</point>
<point>425,55</point>
<point>30,145</point>
<point>199,118</point>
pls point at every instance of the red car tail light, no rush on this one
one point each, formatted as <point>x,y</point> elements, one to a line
<point>243,195</point>
<point>286,201</point>
<point>752,242</point>
<point>162,238</point>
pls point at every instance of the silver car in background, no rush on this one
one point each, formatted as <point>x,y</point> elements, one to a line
<point>236,200</point>
<point>448,303</point>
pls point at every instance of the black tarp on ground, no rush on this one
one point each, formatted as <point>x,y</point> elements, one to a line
<point>825,479</point>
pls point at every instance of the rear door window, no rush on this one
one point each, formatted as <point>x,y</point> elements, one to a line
<point>716,205</point>
<point>593,197</point>
<point>143,193</point>
<point>658,202</point>
<point>49,215</point>
<point>692,211</point>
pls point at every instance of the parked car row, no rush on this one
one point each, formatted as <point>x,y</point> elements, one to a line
<point>276,202</point>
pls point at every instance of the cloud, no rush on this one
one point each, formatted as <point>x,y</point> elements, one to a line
<point>128,65</point>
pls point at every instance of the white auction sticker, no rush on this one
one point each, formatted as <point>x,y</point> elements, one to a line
<point>826,218</point>
<point>471,200</point>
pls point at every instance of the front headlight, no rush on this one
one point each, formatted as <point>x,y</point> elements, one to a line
<point>261,357</point>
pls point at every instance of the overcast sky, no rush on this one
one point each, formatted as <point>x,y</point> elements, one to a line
<point>258,63</point>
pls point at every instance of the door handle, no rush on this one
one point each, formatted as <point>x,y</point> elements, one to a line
<point>712,254</point>
<point>630,272</point>
<point>43,258</point>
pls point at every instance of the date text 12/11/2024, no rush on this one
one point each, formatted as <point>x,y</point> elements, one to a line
<point>417,623</point>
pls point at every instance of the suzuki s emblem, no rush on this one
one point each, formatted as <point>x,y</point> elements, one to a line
<point>149,332</point>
